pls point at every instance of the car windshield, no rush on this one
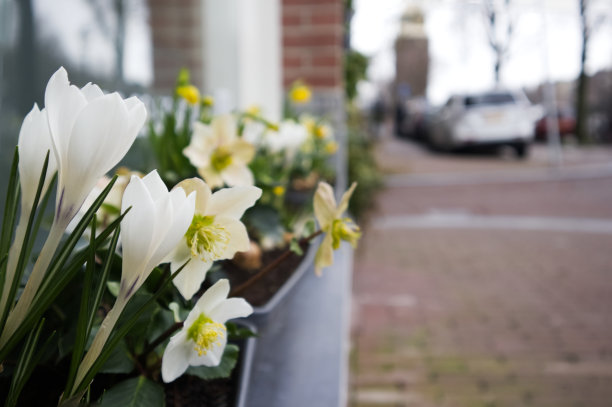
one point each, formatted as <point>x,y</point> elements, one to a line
<point>489,99</point>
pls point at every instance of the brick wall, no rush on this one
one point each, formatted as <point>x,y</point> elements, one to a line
<point>313,42</point>
<point>176,28</point>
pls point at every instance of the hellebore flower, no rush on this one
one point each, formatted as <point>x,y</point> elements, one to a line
<point>289,138</point>
<point>90,132</point>
<point>215,232</point>
<point>155,224</point>
<point>336,228</point>
<point>220,156</point>
<point>202,339</point>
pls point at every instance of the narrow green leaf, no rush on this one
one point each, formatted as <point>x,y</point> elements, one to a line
<point>21,262</point>
<point>221,371</point>
<point>25,365</point>
<point>41,214</point>
<point>10,213</point>
<point>136,392</point>
<point>80,339</point>
<point>123,330</point>
<point>53,288</point>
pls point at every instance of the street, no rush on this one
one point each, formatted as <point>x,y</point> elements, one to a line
<point>485,281</point>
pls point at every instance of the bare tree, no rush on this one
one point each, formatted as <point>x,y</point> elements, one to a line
<point>499,31</point>
<point>115,32</point>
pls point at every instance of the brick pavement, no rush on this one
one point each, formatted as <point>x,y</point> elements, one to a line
<point>475,318</point>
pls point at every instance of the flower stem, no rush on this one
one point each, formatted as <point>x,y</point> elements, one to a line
<point>100,339</point>
<point>17,315</point>
<point>161,338</point>
<point>271,266</point>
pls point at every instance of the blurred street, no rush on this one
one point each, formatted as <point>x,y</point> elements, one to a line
<point>485,281</point>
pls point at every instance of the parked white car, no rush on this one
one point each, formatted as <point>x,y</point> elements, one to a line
<point>492,118</point>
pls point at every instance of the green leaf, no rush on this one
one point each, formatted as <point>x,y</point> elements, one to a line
<point>235,331</point>
<point>136,392</point>
<point>228,362</point>
<point>119,360</point>
<point>294,246</point>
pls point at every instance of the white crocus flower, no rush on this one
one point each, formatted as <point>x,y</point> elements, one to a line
<point>216,232</point>
<point>202,339</point>
<point>331,222</point>
<point>219,154</point>
<point>90,133</point>
<point>155,224</point>
<point>34,143</point>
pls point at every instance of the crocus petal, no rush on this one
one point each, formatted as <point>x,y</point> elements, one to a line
<point>63,103</point>
<point>91,91</point>
<point>233,202</point>
<point>325,254</point>
<point>230,309</point>
<point>190,279</point>
<point>324,204</point>
<point>237,175</point>
<point>137,226</point>
<point>34,143</point>
<point>343,206</point>
<point>176,357</point>
<point>154,185</point>
<point>212,357</point>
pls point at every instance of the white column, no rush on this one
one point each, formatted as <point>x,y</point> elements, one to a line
<point>242,54</point>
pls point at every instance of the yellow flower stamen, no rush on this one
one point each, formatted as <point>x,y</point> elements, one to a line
<point>221,158</point>
<point>205,333</point>
<point>331,147</point>
<point>208,101</point>
<point>321,132</point>
<point>344,229</point>
<point>206,240</point>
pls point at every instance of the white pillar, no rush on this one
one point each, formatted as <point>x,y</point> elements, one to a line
<point>242,54</point>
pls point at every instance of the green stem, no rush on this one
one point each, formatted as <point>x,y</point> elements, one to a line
<point>13,258</point>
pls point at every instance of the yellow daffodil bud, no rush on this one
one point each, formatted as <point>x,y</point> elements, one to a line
<point>208,101</point>
<point>300,94</point>
<point>278,190</point>
<point>190,93</point>
<point>331,147</point>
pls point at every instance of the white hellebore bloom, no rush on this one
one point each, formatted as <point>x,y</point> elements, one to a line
<point>289,137</point>
<point>219,154</point>
<point>202,339</point>
<point>331,222</point>
<point>215,233</point>
<point>90,132</point>
<point>155,224</point>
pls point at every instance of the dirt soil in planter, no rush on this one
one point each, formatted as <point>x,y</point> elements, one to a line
<point>261,291</point>
<point>191,391</point>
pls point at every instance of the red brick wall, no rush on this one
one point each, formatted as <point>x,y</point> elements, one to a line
<point>176,28</point>
<point>313,42</point>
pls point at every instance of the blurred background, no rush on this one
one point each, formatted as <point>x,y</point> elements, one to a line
<point>480,134</point>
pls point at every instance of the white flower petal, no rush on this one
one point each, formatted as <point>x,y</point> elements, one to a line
<point>212,178</point>
<point>176,357</point>
<point>324,204</point>
<point>233,202</point>
<point>325,254</point>
<point>202,191</point>
<point>344,202</point>
<point>154,184</point>
<point>63,103</point>
<point>211,298</point>
<point>239,238</point>
<point>178,256</point>
<point>212,357</point>
<point>190,279</point>
<point>237,175</point>
<point>91,91</point>
<point>230,309</point>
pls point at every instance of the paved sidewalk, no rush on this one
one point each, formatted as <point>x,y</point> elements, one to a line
<point>494,316</point>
